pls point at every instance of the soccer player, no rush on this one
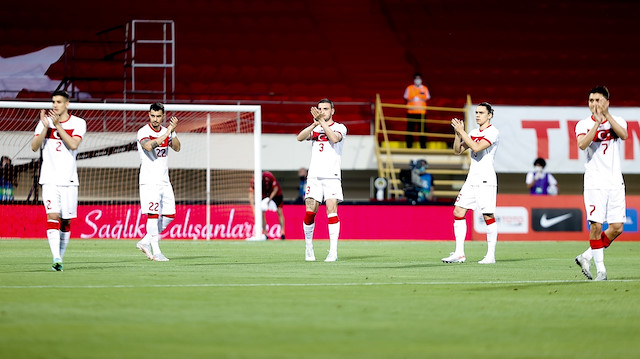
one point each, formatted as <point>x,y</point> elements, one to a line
<point>324,177</point>
<point>59,134</point>
<point>479,190</point>
<point>600,136</point>
<point>272,200</point>
<point>156,193</point>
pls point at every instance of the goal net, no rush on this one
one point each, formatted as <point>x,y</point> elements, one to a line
<point>210,175</point>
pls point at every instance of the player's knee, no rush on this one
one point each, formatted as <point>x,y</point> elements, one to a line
<point>166,220</point>
<point>616,229</point>
<point>65,225</point>
<point>309,218</point>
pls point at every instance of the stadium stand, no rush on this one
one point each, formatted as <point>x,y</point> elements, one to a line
<point>287,54</point>
<point>522,53</point>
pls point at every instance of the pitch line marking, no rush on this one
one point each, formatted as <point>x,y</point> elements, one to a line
<point>364,284</point>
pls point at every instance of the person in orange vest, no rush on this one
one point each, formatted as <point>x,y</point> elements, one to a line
<point>416,95</point>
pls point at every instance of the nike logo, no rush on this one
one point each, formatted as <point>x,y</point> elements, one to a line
<point>548,222</point>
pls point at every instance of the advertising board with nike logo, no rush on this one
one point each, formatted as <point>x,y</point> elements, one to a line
<point>556,219</point>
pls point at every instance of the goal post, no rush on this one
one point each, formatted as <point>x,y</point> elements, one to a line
<point>211,174</point>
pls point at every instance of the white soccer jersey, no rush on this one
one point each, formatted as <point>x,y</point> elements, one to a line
<point>481,170</point>
<point>58,161</point>
<point>602,169</point>
<point>154,164</point>
<point>326,157</point>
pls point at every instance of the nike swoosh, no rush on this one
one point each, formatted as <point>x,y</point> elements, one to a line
<point>548,222</point>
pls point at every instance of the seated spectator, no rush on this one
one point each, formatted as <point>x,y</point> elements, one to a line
<point>540,182</point>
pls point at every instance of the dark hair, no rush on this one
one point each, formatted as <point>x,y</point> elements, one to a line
<point>417,74</point>
<point>488,106</point>
<point>62,93</point>
<point>326,100</point>
<point>603,90</point>
<point>540,161</point>
<point>157,106</point>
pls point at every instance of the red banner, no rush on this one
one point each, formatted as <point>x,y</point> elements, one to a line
<point>359,222</point>
<point>519,217</point>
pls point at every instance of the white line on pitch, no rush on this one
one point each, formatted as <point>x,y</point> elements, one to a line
<point>204,285</point>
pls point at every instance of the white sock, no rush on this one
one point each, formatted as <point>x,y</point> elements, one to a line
<point>334,233</point>
<point>308,234</point>
<point>145,239</point>
<point>152,234</point>
<point>598,258</point>
<point>588,254</point>
<point>163,223</point>
<point>492,239</point>
<point>64,242</point>
<point>460,232</point>
<point>53,235</point>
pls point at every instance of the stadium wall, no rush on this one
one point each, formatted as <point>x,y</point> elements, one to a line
<point>526,132</point>
<point>279,152</point>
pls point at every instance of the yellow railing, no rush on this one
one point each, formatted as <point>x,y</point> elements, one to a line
<point>388,152</point>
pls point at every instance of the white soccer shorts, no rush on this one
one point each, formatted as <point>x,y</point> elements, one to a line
<point>322,189</point>
<point>268,205</point>
<point>60,199</point>
<point>157,199</point>
<point>481,197</point>
<point>605,205</point>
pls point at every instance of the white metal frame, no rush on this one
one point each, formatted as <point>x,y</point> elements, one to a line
<point>257,132</point>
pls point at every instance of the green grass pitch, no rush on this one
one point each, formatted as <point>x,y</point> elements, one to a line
<point>382,299</point>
